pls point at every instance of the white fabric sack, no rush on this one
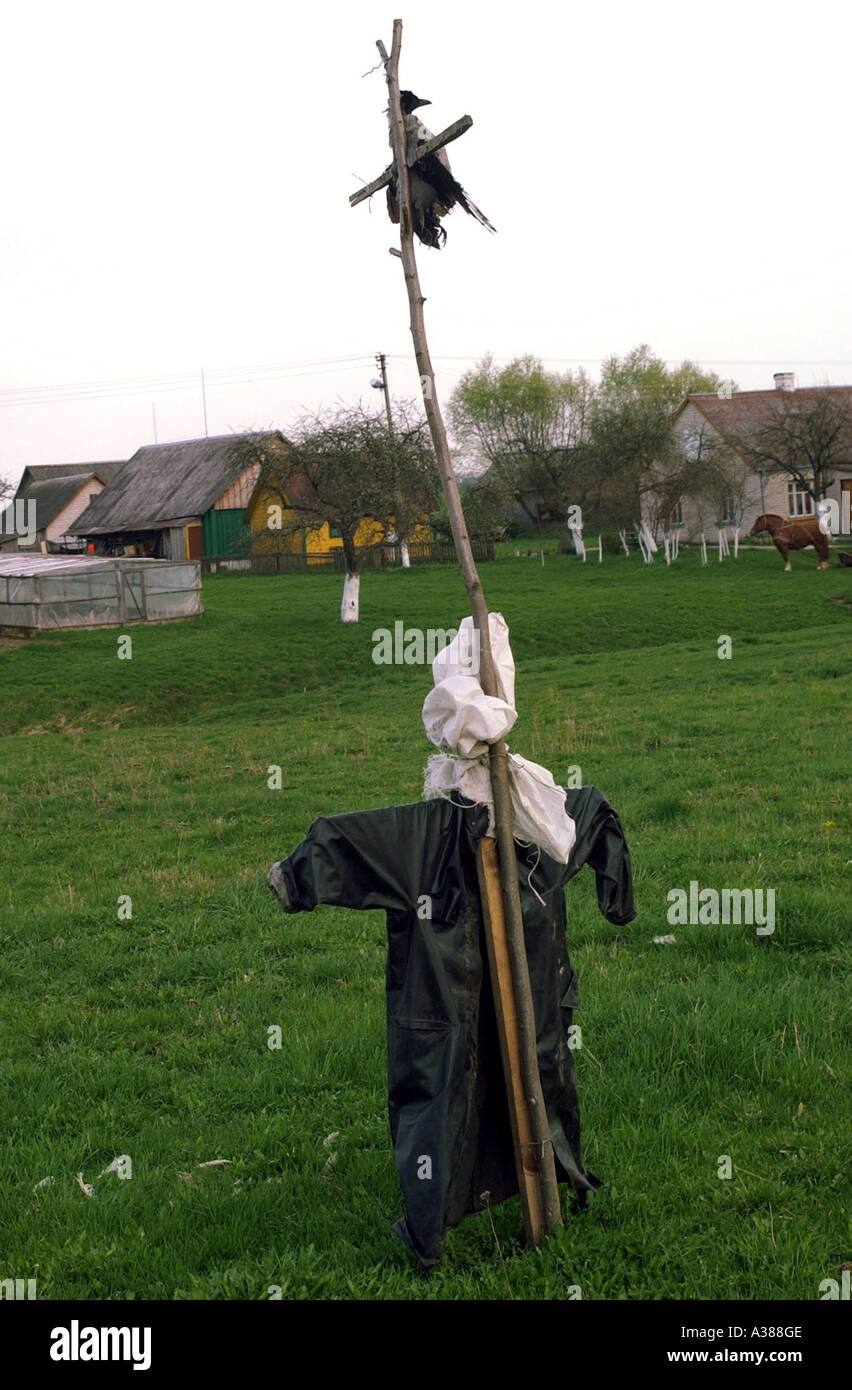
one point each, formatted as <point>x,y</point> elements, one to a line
<point>462,721</point>
<point>461,656</point>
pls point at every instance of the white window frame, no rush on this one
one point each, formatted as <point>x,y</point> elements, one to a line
<point>799,500</point>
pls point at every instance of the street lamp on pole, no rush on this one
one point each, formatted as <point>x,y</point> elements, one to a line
<point>382,364</point>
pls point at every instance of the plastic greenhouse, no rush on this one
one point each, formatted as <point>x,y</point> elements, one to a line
<point>54,591</point>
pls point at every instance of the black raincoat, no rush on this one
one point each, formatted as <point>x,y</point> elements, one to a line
<point>446,1096</point>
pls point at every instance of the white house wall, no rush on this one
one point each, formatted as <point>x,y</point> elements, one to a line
<point>691,421</point>
<point>774,498</point>
<point>65,519</point>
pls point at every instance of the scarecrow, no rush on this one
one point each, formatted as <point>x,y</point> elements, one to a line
<point>450,1119</point>
<point>480,989</point>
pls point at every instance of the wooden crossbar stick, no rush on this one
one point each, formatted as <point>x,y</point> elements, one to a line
<point>437,142</point>
<point>513,995</point>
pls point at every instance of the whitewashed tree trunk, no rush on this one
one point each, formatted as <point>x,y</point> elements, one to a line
<point>650,544</point>
<point>406,562</point>
<point>349,605</point>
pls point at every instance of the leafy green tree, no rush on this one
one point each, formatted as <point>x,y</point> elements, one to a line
<point>631,451</point>
<point>486,503</point>
<point>555,441</point>
<point>525,424</point>
<point>640,374</point>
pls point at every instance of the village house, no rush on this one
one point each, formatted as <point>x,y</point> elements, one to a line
<point>204,498</point>
<point>708,418</point>
<point>275,527</point>
<point>174,501</point>
<point>48,500</point>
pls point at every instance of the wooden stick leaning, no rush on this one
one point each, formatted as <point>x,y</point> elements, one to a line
<point>513,996</point>
<point>509,1032</point>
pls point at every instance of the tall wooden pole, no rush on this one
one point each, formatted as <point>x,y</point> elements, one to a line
<point>383,368</point>
<point>513,997</point>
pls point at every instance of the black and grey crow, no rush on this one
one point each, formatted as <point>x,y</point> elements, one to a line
<point>434,191</point>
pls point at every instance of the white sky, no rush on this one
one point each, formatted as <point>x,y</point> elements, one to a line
<point>176,176</point>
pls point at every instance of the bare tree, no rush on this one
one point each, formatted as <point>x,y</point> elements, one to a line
<point>347,467</point>
<point>703,470</point>
<point>806,434</point>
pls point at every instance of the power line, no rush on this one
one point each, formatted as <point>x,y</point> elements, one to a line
<point>299,367</point>
<point>179,381</point>
<point>702,361</point>
<point>193,374</point>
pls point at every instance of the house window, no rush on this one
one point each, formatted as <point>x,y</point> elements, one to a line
<point>334,532</point>
<point>727,511</point>
<point>799,501</point>
<point>676,517</point>
<point>692,440</point>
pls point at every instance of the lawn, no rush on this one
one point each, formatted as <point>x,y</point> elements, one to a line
<point>147,779</point>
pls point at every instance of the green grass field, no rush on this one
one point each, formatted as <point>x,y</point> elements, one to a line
<point>148,1037</point>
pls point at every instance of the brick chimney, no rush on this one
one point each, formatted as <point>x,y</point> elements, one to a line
<point>784,381</point>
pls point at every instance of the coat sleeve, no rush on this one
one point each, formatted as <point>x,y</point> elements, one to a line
<point>601,844</point>
<point>371,859</point>
<point>346,861</point>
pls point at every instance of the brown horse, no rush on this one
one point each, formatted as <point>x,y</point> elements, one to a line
<point>787,536</point>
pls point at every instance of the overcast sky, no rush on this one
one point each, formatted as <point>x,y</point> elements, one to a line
<point>176,179</point>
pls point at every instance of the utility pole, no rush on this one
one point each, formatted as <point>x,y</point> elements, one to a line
<point>382,364</point>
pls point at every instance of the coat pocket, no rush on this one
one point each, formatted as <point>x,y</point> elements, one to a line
<point>420,1055</point>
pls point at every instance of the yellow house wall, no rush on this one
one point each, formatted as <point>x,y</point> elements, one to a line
<point>318,539</point>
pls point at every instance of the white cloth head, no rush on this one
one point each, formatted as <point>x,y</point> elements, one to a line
<point>462,721</point>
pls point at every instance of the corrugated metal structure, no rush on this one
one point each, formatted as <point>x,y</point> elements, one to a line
<point>39,592</point>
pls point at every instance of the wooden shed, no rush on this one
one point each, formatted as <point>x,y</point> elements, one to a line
<point>176,501</point>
